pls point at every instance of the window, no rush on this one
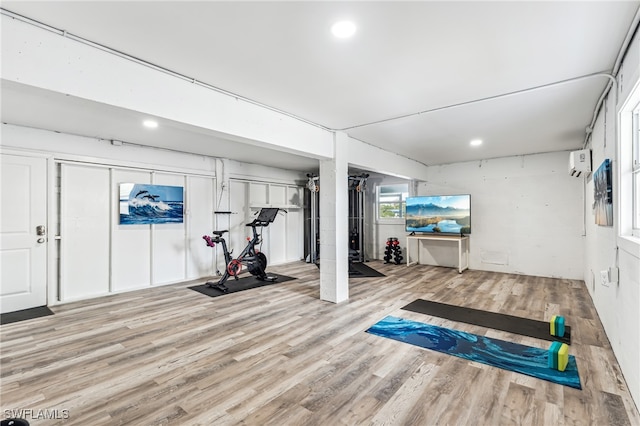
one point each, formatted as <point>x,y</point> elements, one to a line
<point>629,188</point>
<point>391,200</point>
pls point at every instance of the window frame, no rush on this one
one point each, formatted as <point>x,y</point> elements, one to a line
<point>403,202</point>
<point>628,189</point>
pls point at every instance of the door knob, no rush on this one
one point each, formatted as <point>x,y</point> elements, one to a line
<point>41,230</point>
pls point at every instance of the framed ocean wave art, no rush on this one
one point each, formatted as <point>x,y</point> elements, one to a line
<point>603,194</point>
<point>143,204</point>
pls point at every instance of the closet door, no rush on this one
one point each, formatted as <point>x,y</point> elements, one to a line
<point>85,218</point>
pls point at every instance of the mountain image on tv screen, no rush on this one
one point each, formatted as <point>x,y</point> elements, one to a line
<point>444,214</point>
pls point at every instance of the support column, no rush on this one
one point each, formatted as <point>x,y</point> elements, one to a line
<point>334,223</point>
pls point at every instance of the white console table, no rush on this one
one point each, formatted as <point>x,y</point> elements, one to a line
<point>459,240</point>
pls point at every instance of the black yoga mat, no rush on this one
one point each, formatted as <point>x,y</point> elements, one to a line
<point>510,323</point>
<point>361,270</point>
<point>241,284</point>
<point>25,314</point>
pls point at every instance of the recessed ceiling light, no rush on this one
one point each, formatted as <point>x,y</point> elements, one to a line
<point>150,124</point>
<point>476,142</point>
<point>343,29</point>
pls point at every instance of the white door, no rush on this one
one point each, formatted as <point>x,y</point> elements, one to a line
<point>23,233</point>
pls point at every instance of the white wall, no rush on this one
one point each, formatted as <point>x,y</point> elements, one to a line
<point>617,303</point>
<point>526,214</point>
<point>97,256</point>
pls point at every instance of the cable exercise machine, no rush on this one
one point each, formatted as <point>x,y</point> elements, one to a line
<point>357,216</point>
<point>357,210</point>
<point>254,260</point>
<point>314,219</point>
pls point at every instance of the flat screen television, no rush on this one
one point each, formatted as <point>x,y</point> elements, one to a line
<point>439,214</point>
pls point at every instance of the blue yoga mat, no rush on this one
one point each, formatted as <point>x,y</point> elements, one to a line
<point>497,353</point>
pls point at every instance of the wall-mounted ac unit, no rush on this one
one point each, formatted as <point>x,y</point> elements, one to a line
<point>580,163</point>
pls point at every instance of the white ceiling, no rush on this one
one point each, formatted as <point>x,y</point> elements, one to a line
<point>449,61</point>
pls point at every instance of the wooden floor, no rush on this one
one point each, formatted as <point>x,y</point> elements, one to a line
<point>278,355</point>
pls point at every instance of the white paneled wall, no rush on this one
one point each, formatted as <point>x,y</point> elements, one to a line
<point>258,193</point>
<point>169,240</point>
<point>99,256</point>
<point>278,195</point>
<point>283,239</point>
<point>130,244</point>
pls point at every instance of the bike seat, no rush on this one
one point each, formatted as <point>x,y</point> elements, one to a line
<point>219,233</point>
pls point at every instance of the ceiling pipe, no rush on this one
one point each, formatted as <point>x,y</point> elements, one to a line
<point>612,82</point>
<point>614,74</point>
<point>488,98</point>
<point>627,41</point>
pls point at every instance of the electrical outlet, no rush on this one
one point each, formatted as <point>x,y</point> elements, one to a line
<point>604,277</point>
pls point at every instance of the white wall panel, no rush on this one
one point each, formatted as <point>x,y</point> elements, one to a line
<point>169,252</point>
<point>131,244</point>
<point>295,196</point>
<point>199,202</point>
<point>283,239</point>
<point>295,225</point>
<point>277,195</point>
<point>85,202</point>
<point>294,249</point>
<point>259,193</point>
<point>275,239</point>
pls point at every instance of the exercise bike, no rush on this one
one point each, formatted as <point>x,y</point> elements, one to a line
<point>255,261</point>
